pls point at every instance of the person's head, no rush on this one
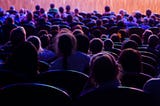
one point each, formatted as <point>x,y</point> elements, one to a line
<point>17,35</point>
<point>129,44</point>
<point>45,40</point>
<point>108,44</point>
<point>148,12</point>
<point>42,32</point>
<point>130,60</point>
<point>9,20</point>
<point>138,15</point>
<point>96,45</point>
<point>36,42</point>
<point>96,33</point>
<point>24,60</point>
<point>82,43</point>
<point>54,30</point>
<point>151,22</point>
<point>121,24</point>
<point>69,18</point>
<point>12,7</point>
<point>64,30</point>
<point>103,68</point>
<point>103,37</point>
<point>130,18</point>
<point>136,38</point>
<point>68,8</point>
<point>76,27</point>
<point>37,7</point>
<point>52,5</point>
<point>115,38</point>
<point>153,40</point>
<point>76,11</point>
<point>99,22</point>
<point>146,35</point>
<point>122,12</point>
<point>29,16</point>
<point>66,44</point>
<point>61,9</point>
<point>123,34</point>
<point>1,12</point>
<point>118,17</point>
<point>77,31</point>
<point>107,9</point>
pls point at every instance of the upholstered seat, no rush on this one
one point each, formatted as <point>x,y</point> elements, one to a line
<point>70,80</point>
<point>33,94</point>
<point>122,96</point>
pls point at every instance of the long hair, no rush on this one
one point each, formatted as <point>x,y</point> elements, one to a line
<point>24,60</point>
<point>65,46</point>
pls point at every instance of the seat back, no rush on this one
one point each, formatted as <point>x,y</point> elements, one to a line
<point>116,50</point>
<point>30,29</point>
<point>136,30</point>
<point>113,54</point>
<point>69,80</point>
<point>155,30</point>
<point>149,69</point>
<point>149,60</point>
<point>113,29</point>
<point>8,77</point>
<point>122,96</point>
<point>150,54</point>
<point>31,94</point>
<point>43,66</point>
<point>136,80</point>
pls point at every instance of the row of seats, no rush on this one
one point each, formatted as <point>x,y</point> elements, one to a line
<point>39,94</point>
<point>70,81</point>
<point>63,88</point>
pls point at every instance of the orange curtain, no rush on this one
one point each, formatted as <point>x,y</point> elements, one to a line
<point>87,5</point>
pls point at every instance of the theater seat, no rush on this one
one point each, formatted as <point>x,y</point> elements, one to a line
<point>135,30</point>
<point>33,94</point>
<point>70,80</point>
<point>122,96</point>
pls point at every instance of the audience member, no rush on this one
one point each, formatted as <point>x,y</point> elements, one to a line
<point>95,46</point>
<point>129,44</point>
<point>145,36</point>
<point>131,62</point>
<point>82,43</point>
<point>43,54</point>
<point>6,28</point>
<point>152,87</point>
<point>68,39</point>
<point>104,73</point>
<point>69,58</point>
<point>17,37</point>
<point>23,62</point>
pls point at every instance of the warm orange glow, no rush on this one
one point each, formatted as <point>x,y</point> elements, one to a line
<point>88,5</point>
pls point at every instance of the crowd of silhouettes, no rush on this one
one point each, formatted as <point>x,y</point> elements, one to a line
<point>116,51</point>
